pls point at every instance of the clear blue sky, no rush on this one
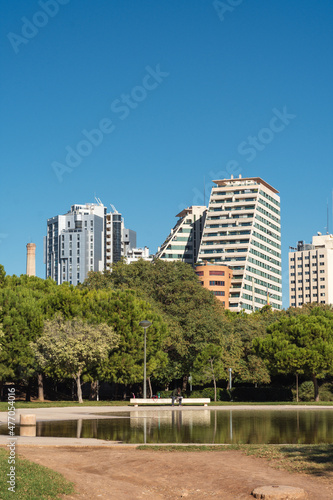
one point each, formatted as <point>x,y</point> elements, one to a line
<point>179,91</point>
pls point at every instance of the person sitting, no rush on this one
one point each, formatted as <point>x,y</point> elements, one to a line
<point>176,396</point>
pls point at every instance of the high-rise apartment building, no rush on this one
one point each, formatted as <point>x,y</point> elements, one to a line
<point>183,241</point>
<point>311,271</point>
<point>86,238</point>
<point>242,231</point>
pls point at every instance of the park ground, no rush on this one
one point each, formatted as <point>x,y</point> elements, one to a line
<point>128,473</point>
<point>110,471</point>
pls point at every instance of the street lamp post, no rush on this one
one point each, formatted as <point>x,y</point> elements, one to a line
<point>145,324</point>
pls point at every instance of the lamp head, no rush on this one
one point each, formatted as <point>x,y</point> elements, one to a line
<point>145,323</point>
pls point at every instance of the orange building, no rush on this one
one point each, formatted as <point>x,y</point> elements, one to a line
<point>217,279</point>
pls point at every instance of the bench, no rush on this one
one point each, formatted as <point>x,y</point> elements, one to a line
<point>167,401</point>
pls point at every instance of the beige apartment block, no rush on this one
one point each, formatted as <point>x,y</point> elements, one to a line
<point>216,279</point>
<point>311,271</point>
<point>184,239</point>
<point>243,231</point>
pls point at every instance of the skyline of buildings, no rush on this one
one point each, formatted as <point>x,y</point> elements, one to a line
<point>239,232</point>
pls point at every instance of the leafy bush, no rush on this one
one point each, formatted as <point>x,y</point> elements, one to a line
<point>326,392</point>
<point>306,391</point>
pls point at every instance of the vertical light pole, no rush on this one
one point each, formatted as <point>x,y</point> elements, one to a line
<point>145,324</point>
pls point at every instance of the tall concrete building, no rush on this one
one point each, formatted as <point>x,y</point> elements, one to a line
<point>242,231</point>
<point>184,239</point>
<point>311,271</point>
<point>86,238</point>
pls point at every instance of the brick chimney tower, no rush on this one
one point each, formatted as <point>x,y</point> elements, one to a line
<point>31,259</point>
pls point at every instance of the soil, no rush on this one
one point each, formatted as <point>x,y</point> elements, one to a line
<point>124,473</point>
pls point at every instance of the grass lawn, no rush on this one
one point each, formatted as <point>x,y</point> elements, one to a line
<point>309,459</point>
<point>33,482</point>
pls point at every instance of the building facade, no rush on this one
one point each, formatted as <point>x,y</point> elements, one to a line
<point>311,272</point>
<point>243,231</point>
<point>184,239</point>
<point>135,254</point>
<point>86,238</point>
<point>217,279</point>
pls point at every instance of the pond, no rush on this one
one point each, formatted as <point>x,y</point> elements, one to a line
<point>304,426</point>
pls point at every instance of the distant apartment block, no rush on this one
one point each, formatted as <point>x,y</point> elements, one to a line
<point>86,238</point>
<point>183,241</point>
<point>135,254</point>
<point>311,271</point>
<point>242,231</point>
<point>217,279</point>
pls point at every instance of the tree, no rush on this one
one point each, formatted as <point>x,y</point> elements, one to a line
<point>208,366</point>
<point>301,344</point>
<point>68,348</point>
<point>193,315</point>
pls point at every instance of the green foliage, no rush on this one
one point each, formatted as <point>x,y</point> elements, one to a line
<point>70,348</point>
<point>193,315</point>
<point>300,344</point>
<point>305,391</point>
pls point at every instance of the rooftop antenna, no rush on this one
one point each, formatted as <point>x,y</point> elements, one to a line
<point>98,201</point>
<point>115,211</point>
<point>327,231</point>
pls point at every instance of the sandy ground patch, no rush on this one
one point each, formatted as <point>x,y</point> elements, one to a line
<point>122,473</point>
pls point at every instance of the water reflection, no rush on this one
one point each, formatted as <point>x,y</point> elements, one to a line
<point>200,426</point>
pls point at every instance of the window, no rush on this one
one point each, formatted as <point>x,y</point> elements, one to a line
<point>216,283</point>
<point>216,273</point>
<point>199,273</point>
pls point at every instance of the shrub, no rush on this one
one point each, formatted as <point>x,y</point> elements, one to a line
<point>306,391</point>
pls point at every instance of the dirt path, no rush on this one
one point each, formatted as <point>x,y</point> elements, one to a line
<point>121,473</point>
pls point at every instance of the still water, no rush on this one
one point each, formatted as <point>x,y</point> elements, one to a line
<point>200,426</point>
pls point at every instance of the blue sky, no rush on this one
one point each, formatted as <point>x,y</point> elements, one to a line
<point>178,90</point>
